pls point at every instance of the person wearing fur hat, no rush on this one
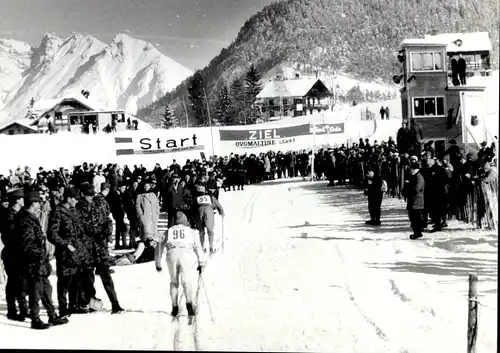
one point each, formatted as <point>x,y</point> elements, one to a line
<point>66,233</point>
<point>15,290</point>
<point>35,262</point>
<point>183,245</point>
<point>206,204</point>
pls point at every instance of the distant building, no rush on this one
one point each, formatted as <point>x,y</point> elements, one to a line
<point>77,116</point>
<point>18,127</point>
<point>445,110</point>
<point>299,97</point>
<point>474,47</point>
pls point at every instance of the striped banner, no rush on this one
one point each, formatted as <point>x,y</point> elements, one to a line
<point>128,142</point>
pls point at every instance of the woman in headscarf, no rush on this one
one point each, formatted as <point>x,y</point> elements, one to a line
<point>148,213</point>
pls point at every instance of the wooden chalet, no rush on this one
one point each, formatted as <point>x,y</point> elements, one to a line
<point>298,97</point>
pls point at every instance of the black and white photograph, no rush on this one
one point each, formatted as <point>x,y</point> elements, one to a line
<point>249,175</point>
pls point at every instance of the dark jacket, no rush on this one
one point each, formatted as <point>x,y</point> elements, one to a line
<point>179,198</point>
<point>10,239</point>
<point>34,260</point>
<point>103,229</point>
<point>88,219</point>
<point>65,228</point>
<point>374,189</point>
<point>413,190</point>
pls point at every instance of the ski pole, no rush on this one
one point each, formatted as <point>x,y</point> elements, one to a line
<point>223,235</point>
<point>206,295</point>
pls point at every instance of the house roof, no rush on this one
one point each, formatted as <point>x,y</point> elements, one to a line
<point>41,107</point>
<point>287,88</point>
<point>23,122</point>
<point>422,42</point>
<point>470,42</point>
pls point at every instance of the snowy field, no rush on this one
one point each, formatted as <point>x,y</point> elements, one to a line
<point>343,288</point>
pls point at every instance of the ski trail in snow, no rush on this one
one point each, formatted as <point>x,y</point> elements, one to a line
<point>231,210</point>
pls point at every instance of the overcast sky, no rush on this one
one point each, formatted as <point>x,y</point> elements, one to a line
<point>191,32</point>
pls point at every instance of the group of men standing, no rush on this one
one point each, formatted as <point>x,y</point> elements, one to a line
<point>79,228</point>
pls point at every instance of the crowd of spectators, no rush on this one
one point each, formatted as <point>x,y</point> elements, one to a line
<point>75,208</point>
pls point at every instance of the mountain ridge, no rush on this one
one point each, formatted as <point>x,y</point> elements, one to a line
<point>124,74</point>
<point>358,38</point>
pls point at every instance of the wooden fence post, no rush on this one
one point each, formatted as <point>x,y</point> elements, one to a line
<point>472,320</point>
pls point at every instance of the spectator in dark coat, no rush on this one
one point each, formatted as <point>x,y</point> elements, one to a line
<point>86,211</point>
<point>36,266</point>
<point>178,198</point>
<point>15,289</point>
<point>413,191</point>
<point>115,201</point>
<point>440,195</point>
<point>66,233</point>
<point>129,199</point>
<point>102,232</point>
<point>375,195</point>
<point>462,69</point>
<point>416,137</point>
<point>403,139</point>
<point>428,174</point>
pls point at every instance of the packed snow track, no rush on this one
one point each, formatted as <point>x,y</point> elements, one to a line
<point>300,272</point>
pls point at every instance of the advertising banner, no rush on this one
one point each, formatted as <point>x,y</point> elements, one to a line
<point>160,142</point>
<point>255,138</point>
<point>321,129</point>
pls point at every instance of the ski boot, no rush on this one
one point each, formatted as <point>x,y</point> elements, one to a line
<point>55,320</point>
<point>38,324</point>
<point>175,311</point>
<point>117,309</point>
<point>190,309</point>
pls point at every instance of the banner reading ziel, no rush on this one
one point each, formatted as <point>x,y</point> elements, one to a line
<point>254,138</point>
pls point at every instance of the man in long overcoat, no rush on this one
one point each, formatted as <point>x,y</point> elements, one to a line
<point>35,262</point>
<point>66,233</point>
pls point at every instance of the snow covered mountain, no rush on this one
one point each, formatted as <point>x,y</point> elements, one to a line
<point>126,74</point>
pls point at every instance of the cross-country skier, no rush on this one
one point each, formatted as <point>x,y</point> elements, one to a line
<point>205,205</point>
<point>182,246</point>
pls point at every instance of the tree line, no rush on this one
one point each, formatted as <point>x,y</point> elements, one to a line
<point>232,103</point>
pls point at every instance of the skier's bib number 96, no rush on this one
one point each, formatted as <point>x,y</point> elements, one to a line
<point>204,200</point>
<point>177,234</point>
<point>177,237</point>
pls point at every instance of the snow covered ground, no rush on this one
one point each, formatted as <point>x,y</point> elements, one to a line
<point>343,288</point>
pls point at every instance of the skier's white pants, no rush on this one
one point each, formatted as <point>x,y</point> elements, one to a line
<point>182,265</point>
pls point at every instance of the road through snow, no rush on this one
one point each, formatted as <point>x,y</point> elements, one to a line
<point>343,288</point>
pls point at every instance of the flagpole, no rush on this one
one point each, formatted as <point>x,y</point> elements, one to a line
<point>209,122</point>
<point>313,147</point>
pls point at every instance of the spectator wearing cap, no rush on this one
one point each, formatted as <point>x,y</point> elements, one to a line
<point>375,195</point>
<point>4,185</point>
<point>129,199</point>
<point>98,179</point>
<point>87,213</point>
<point>436,197</point>
<point>16,288</point>
<point>178,197</point>
<point>66,233</point>
<point>103,231</point>
<point>116,203</point>
<point>148,213</point>
<point>413,191</point>
<point>35,267</point>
